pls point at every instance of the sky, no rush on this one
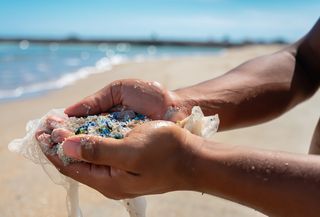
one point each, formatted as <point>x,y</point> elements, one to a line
<point>164,19</point>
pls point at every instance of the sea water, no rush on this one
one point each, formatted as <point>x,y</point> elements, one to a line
<point>28,69</point>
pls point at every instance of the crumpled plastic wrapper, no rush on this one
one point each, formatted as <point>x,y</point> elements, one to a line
<point>198,124</point>
<point>29,147</point>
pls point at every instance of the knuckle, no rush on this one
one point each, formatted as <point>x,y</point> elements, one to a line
<point>53,122</point>
<point>116,83</point>
<point>59,135</point>
<point>38,134</point>
<point>45,140</point>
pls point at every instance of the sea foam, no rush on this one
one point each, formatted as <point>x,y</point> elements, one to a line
<point>102,65</point>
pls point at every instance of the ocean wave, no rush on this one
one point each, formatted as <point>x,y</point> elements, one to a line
<point>102,65</point>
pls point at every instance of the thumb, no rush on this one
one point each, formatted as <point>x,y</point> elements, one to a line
<point>98,102</point>
<point>97,150</point>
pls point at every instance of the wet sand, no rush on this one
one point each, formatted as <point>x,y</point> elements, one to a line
<point>27,191</point>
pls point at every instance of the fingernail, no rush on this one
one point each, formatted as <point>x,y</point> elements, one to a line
<point>71,148</point>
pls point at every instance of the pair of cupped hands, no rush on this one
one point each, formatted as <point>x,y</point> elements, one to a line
<point>154,157</point>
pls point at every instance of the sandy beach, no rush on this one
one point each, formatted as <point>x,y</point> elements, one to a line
<point>27,191</point>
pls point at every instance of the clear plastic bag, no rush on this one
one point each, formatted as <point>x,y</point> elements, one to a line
<point>29,147</point>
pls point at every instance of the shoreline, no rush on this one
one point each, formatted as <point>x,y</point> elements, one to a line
<point>27,191</point>
<point>101,65</point>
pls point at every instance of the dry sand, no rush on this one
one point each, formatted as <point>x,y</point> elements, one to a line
<point>27,191</point>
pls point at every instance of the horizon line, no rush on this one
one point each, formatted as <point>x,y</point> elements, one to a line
<point>142,41</point>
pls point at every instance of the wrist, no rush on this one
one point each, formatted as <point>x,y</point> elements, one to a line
<point>208,170</point>
<point>211,101</point>
<point>192,155</point>
<point>177,106</point>
<point>185,100</point>
<point>215,101</point>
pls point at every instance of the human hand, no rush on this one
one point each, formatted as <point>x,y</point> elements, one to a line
<point>155,157</point>
<point>52,132</point>
<point>145,97</point>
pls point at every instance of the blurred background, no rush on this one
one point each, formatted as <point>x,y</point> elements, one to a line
<point>44,44</point>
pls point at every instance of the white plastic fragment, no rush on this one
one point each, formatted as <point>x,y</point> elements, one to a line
<point>198,124</point>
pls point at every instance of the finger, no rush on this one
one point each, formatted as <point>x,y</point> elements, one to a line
<point>97,103</point>
<point>41,131</point>
<point>99,150</point>
<point>48,125</point>
<point>95,176</point>
<point>45,141</point>
<point>60,134</point>
<point>80,171</point>
<point>53,122</point>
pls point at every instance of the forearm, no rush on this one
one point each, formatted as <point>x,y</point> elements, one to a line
<point>254,92</point>
<point>277,184</point>
<point>262,88</point>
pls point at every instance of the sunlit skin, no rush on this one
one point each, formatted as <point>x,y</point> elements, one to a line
<point>159,156</point>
